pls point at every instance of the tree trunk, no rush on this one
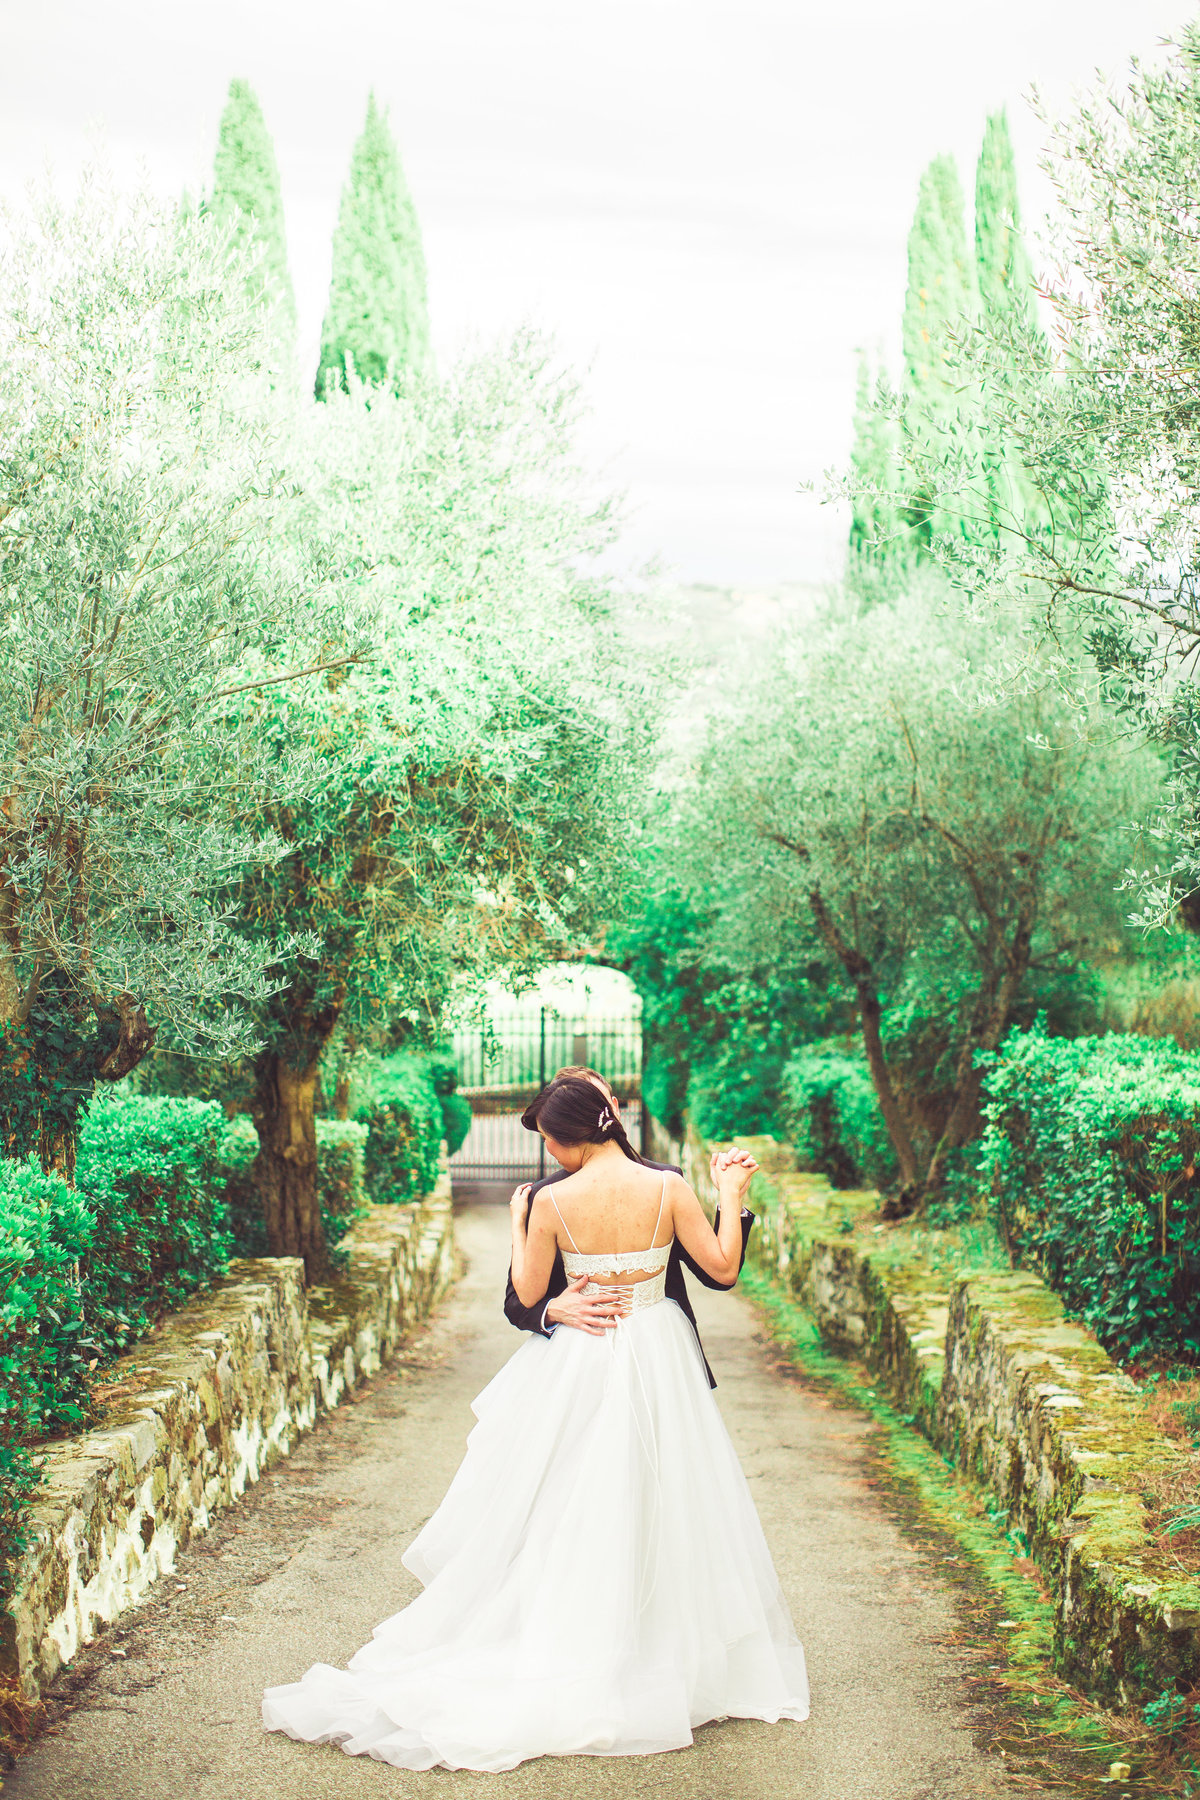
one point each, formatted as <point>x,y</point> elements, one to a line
<point>285,1169</point>
<point>871,1015</point>
<point>341,1098</point>
<point>989,1016</point>
<point>859,969</point>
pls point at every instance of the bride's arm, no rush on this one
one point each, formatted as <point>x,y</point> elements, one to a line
<point>533,1245</point>
<point>719,1253</point>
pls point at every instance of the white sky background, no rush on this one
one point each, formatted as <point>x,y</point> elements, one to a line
<point>704,200</point>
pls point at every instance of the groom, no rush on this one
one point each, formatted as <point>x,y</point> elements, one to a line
<point>565,1303</point>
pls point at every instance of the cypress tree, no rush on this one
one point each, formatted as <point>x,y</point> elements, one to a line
<point>1001,260</point>
<point>1005,278</point>
<point>246,190</point>
<point>940,287</point>
<point>941,293</point>
<point>378,314</point>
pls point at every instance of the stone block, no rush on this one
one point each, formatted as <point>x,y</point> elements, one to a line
<point>236,1378</point>
<point>1023,1400</point>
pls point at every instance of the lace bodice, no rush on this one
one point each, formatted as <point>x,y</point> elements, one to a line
<point>652,1262</point>
<point>617,1262</point>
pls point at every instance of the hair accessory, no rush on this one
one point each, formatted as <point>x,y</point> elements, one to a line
<point>606,1120</point>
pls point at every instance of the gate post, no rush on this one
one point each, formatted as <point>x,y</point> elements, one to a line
<point>644,1119</point>
<point>541,1085</point>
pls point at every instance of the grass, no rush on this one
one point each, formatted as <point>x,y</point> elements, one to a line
<point>1049,1735</point>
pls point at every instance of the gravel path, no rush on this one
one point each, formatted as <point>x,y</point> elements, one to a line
<point>167,1704</point>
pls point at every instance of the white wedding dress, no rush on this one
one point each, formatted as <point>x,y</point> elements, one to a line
<point>596,1578</point>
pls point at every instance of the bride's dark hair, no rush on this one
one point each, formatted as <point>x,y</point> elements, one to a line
<point>574,1111</point>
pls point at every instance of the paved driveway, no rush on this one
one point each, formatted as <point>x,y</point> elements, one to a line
<point>303,1569</point>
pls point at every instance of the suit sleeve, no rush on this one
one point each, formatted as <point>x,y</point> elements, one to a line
<point>702,1275</point>
<point>529,1318</point>
<point>525,1318</point>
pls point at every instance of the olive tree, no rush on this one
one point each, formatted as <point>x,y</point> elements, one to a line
<point>152,576</point>
<point>872,796</point>
<point>478,775</point>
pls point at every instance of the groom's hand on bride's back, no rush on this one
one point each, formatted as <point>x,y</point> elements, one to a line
<point>593,1313</point>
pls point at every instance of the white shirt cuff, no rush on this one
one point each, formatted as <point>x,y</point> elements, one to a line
<point>549,1329</point>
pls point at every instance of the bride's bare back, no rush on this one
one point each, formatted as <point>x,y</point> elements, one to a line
<point>615,1220</point>
<point>614,1210</point>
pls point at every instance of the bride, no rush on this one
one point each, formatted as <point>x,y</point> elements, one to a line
<point>599,1466</point>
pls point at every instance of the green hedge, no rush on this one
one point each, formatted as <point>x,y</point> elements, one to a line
<point>341,1161</point>
<point>1090,1150</point>
<point>833,1117</point>
<point>150,1172</point>
<point>399,1101</point>
<point>45,1230</point>
<point>84,1272</point>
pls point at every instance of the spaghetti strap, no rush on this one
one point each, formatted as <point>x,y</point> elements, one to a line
<point>661,1203</point>
<point>567,1228</point>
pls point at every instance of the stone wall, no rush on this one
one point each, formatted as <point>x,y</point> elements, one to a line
<point>198,1410</point>
<point>1021,1399</point>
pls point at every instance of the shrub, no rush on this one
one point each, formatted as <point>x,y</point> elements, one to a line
<point>341,1148</point>
<point>1090,1149</point>
<point>401,1105</point>
<point>456,1121</point>
<point>149,1172</point>
<point>341,1161</point>
<point>44,1353</point>
<point>84,1271</point>
<point>834,1118</point>
<point>456,1108</point>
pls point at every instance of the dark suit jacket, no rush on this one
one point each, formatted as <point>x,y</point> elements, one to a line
<point>529,1318</point>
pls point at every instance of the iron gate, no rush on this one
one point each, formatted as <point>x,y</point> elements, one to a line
<point>502,1068</point>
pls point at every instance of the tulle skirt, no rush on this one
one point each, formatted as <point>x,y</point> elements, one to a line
<point>596,1579</point>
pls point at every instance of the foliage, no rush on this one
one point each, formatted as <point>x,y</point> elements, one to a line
<point>1006,303</point>
<point>148,1173</point>
<point>44,1352</point>
<point>833,1117</point>
<point>146,577</point>
<point>403,1109</point>
<point>84,1271</point>
<point>715,1040</point>
<point>456,1121</point>
<point>377,321</point>
<point>868,802</point>
<point>246,196</point>
<point>1090,1150</point>
<point>477,774</point>
<point>941,291</point>
<point>341,1168</point>
<point>874,524</point>
<point>1002,267</point>
<point>341,1182</point>
<point>941,288</point>
<point>239,1150</point>
<point>1099,423</point>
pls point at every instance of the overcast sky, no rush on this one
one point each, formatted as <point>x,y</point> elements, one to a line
<point>705,201</point>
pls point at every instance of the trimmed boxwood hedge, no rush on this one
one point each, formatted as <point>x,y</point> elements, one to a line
<point>162,1198</point>
<point>398,1100</point>
<point>1090,1151</point>
<point>85,1271</point>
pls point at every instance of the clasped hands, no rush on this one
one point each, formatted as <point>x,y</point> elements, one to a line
<point>594,1313</point>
